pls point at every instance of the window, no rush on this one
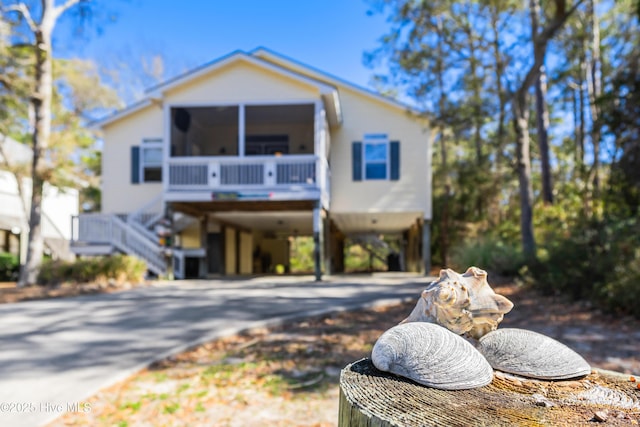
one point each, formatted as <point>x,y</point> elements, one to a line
<point>151,160</point>
<point>376,156</point>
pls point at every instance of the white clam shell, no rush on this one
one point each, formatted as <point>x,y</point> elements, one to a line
<point>530,354</point>
<point>431,355</point>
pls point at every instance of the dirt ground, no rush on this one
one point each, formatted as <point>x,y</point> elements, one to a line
<point>9,293</point>
<point>288,376</point>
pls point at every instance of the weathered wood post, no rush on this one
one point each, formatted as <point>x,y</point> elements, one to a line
<point>372,398</point>
<point>452,347</point>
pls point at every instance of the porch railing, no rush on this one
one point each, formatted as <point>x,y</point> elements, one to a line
<point>206,173</point>
<point>111,230</point>
<point>145,217</point>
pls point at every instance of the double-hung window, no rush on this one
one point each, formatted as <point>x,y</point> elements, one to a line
<point>151,160</point>
<point>376,156</point>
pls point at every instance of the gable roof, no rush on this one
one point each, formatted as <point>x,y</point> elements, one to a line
<point>293,64</point>
<point>266,59</point>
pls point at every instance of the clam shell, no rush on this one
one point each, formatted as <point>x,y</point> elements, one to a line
<point>431,355</point>
<point>462,303</point>
<point>531,354</point>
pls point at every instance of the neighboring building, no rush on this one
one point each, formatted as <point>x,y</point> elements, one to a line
<point>58,207</point>
<point>250,149</point>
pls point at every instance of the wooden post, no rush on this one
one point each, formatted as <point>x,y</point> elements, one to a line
<point>426,247</point>
<point>318,239</point>
<point>371,398</point>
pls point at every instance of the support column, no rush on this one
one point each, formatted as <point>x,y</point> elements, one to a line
<point>241,130</point>
<point>169,253</point>
<point>335,245</point>
<point>426,246</point>
<point>202,264</point>
<point>318,240</point>
<point>326,245</point>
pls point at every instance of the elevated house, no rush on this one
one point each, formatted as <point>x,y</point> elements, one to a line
<point>227,161</point>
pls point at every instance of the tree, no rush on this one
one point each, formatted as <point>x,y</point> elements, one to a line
<point>34,26</point>
<point>540,40</point>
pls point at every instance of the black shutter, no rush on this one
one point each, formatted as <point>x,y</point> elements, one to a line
<point>135,164</point>
<point>356,156</point>
<point>394,155</point>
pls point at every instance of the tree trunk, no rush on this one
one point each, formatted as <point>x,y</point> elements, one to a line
<point>542,120</point>
<point>581,106</point>
<point>444,233</point>
<point>502,100</point>
<point>521,125</point>
<point>42,129</point>
<point>594,86</point>
<point>521,115</point>
<point>41,102</point>
<point>542,113</point>
<point>477,98</point>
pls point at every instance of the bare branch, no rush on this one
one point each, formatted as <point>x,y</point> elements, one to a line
<point>541,40</point>
<point>59,10</point>
<point>23,10</point>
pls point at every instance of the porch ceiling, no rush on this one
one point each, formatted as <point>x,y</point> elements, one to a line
<point>198,209</point>
<point>374,222</point>
<point>281,222</point>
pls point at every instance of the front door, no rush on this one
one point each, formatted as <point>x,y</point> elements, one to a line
<point>214,253</point>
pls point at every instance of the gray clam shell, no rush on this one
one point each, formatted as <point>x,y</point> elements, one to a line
<point>431,355</point>
<point>530,354</point>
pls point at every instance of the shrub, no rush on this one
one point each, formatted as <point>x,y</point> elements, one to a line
<point>622,292</point>
<point>599,260</point>
<point>120,268</point>
<point>488,253</point>
<point>9,267</point>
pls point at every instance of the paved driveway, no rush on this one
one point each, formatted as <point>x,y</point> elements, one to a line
<point>54,353</point>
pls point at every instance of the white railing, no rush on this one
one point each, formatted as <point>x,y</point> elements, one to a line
<point>211,173</point>
<point>94,228</point>
<point>110,229</point>
<point>242,174</point>
<point>147,216</point>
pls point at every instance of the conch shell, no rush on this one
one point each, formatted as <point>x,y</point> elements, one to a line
<point>463,303</point>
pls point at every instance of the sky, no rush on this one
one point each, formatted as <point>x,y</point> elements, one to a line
<point>330,35</point>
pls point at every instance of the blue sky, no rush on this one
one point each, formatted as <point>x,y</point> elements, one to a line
<point>330,35</point>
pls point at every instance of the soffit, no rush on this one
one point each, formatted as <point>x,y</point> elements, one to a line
<point>374,222</point>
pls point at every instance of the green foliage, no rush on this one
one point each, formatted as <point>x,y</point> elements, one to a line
<point>121,268</point>
<point>302,255</point>
<point>358,259</point>
<point>488,253</point>
<point>599,260</point>
<point>9,267</point>
<point>622,291</point>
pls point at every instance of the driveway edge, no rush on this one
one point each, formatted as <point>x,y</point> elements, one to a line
<point>266,323</point>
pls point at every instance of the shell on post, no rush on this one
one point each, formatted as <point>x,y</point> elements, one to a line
<point>463,303</point>
<point>531,354</point>
<point>431,355</point>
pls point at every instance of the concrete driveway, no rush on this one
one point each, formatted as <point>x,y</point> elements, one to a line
<point>54,353</point>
